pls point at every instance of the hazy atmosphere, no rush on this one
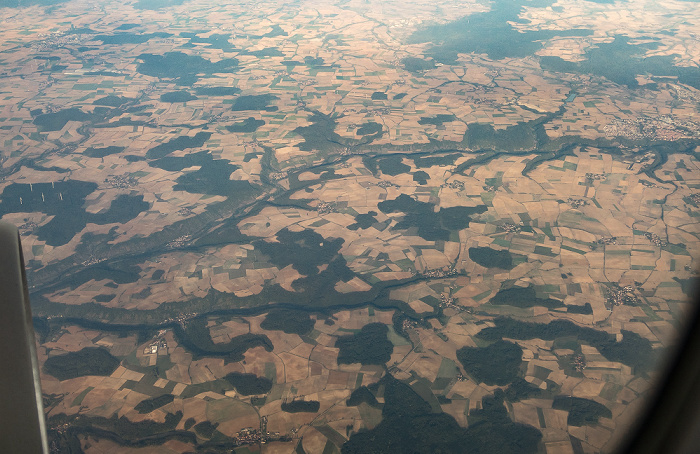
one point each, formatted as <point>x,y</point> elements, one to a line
<point>351,226</point>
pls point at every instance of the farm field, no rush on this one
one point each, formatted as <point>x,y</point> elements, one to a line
<point>272,227</point>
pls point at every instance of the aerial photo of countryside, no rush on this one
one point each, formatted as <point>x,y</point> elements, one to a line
<point>351,226</point>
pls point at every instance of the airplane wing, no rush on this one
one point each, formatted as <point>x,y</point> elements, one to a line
<point>22,423</point>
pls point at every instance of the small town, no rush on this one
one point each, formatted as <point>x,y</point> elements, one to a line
<point>408,324</point>
<point>663,127</point>
<point>655,239</point>
<point>618,296</point>
<point>576,203</point>
<point>121,181</point>
<point>510,227</point>
<point>277,176</point>
<point>439,273</point>
<point>449,302</point>
<point>178,242</point>
<point>326,207</point>
<point>594,176</point>
<point>455,184</point>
